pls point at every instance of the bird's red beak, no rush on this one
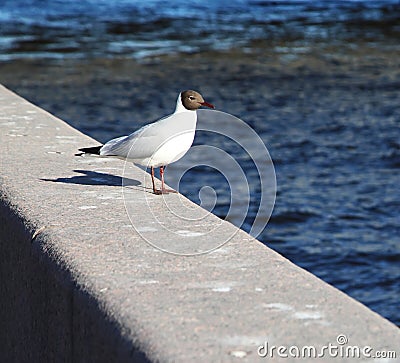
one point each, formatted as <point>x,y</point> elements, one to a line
<point>207,104</point>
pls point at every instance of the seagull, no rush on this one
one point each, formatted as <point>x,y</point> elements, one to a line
<point>160,143</point>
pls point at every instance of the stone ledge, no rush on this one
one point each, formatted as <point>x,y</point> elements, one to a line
<point>88,287</point>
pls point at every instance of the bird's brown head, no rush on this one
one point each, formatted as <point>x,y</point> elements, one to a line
<point>193,100</point>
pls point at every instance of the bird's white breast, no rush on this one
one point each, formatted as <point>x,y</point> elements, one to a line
<point>171,150</point>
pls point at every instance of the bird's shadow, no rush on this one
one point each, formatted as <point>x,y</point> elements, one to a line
<point>90,177</point>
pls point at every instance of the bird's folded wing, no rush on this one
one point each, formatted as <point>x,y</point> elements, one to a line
<point>147,140</point>
<point>139,145</point>
<point>111,147</point>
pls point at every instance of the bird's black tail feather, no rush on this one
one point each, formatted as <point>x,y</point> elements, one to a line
<point>94,150</point>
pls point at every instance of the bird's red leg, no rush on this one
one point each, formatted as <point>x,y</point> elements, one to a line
<point>162,177</point>
<point>155,191</point>
<point>163,189</point>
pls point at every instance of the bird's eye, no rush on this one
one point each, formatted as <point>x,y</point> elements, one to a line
<point>191,98</point>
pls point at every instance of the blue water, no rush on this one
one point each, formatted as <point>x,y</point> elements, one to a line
<point>335,146</point>
<point>93,28</point>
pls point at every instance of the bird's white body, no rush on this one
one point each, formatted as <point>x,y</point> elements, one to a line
<point>159,143</point>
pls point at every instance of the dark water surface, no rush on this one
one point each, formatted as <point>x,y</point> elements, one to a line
<point>92,28</point>
<point>318,80</point>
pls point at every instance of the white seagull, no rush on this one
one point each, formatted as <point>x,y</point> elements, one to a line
<point>159,143</point>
